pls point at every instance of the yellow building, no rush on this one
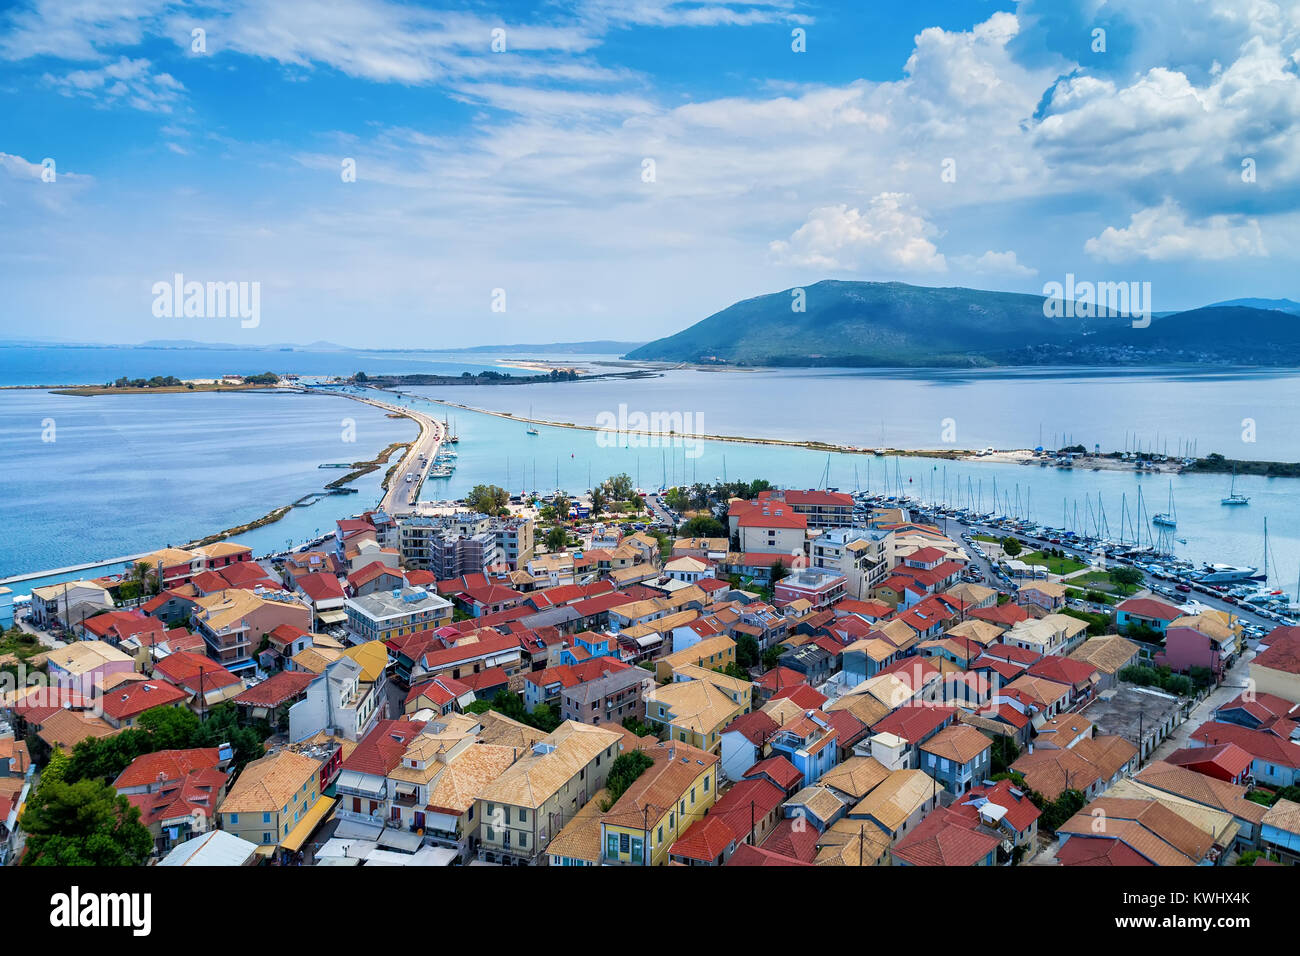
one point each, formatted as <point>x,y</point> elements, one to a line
<point>273,799</point>
<point>711,652</point>
<point>659,806</point>
<point>693,711</point>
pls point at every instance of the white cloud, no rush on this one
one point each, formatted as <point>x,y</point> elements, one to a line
<point>127,81</point>
<point>1163,233</point>
<point>994,263</point>
<point>889,234</point>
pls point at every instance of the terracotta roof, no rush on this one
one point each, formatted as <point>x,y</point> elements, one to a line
<point>277,689</point>
<point>705,840</point>
<point>958,742</point>
<point>166,765</point>
<point>676,767</point>
<point>781,770</point>
<point>1149,608</point>
<point>945,838</point>
<point>266,784</point>
<point>133,699</point>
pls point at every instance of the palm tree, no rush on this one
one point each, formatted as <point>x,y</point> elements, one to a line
<point>140,573</point>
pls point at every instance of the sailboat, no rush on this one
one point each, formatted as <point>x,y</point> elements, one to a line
<point>1167,519</point>
<point>1234,498</point>
<point>531,429</point>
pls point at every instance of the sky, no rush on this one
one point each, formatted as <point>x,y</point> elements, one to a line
<point>395,175</point>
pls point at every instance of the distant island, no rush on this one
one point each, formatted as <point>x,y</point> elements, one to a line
<point>893,324</point>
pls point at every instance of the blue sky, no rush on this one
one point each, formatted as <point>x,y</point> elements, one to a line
<point>522,170</point>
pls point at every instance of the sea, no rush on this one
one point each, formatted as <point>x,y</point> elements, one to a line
<point>121,475</point>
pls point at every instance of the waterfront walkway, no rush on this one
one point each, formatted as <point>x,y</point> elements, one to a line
<point>402,495</point>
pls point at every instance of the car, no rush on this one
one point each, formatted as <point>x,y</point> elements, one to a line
<point>1185,588</point>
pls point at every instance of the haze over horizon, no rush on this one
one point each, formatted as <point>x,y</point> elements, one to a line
<point>525,170</point>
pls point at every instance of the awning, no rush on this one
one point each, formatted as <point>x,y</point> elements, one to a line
<point>332,617</point>
<point>304,827</point>
<point>400,840</point>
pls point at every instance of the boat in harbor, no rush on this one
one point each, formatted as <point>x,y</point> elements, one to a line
<point>1167,519</point>
<point>1226,574</point>
<point>1234,498</point>
<point>531,429</point>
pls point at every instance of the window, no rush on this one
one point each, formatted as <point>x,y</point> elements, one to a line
<point>266,818</point>
<point>611,844</point>
<point>234,819</point>
<point>624,842</point>
<point>638,852</point>
<point>523,816</point>
<point>266,838</point>
<point>660,836</point>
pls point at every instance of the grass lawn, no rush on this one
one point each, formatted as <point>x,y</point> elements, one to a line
<point>986,538</point>
<point>1082,592</point>
<point>1053,564</point>
<point>1100,581</point>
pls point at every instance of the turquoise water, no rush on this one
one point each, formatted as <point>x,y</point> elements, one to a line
<point>128,474</point>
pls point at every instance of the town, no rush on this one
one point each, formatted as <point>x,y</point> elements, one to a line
<point>726,675</point>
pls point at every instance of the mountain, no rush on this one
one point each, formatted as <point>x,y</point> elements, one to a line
<point>869,324</point>
<point>882,324</point>
<point>1281,305</point>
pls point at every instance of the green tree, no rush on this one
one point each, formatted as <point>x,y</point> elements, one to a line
<point>598,501</point>
<point>561,506</point>
<point>557,538</point>
<point>620,487</point>
<point>772,657</point>
<point>1011,546</point>
<point>747,653</point>
<point>623,773</point>
<point>778,571</point>
<point>702,526</point>
<point>1125,577</point>
<point>487,499</point>
<point>83,824</point>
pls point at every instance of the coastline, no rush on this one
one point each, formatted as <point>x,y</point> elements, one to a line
<point>1021,456</point>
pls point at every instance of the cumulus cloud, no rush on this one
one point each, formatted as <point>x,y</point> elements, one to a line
<point>888,233</point>
<point>1164,233</point>
<point>994,263</point>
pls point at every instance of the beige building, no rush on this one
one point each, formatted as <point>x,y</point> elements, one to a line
<point>520,811</point>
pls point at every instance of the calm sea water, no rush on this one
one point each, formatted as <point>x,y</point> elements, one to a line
<point>127,474</point>
<point>1006,408</point>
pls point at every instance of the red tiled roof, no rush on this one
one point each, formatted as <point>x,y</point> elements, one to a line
<point>794,840</point>
<point>747,855</point>
<point>1005,614</point>
<point>1229,758</point>
<point>370,572</point>
<point>803,695</point>
<point>380,751</point>
<point>320,586</point>
<point>706,839</point>
<point>756,726</point>
<point>1020,811</point>
<point>1283,651</point>
<point>135,697</point>
<point>1149,608</point>
<point>1063,670</point>
<point>166,765</point>
<point>1100,851</point>
<point>277,689</point>
<point>782,771</point>
<point>186,669</point>
<point>779,678</point>
<point>913,723</point>
<point>945,838</point>
<point>1260,744</point>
